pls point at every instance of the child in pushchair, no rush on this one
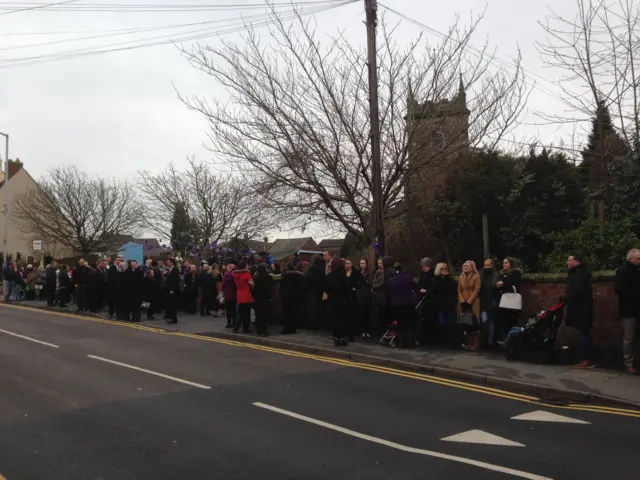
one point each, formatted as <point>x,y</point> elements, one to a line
<point>537,338</point>
<point>390,336</point>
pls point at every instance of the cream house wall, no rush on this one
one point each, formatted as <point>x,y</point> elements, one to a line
<point>18,239</point>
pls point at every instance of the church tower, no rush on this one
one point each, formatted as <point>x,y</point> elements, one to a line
<point>438,133</point>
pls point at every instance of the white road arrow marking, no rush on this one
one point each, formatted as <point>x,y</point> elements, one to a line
<point>483,438</point>
<point>404,448</point>
<point>542,416</point>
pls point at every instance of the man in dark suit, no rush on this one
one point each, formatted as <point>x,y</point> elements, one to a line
<point>80,279</point>
<point>50,283</point>
<point>172,292</point>
<point>134,281</point>
<point>112,287</point>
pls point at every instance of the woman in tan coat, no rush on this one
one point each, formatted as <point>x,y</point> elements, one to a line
<point>469,287</point>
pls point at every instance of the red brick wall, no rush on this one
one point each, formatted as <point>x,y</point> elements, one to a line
<point>607,328</point>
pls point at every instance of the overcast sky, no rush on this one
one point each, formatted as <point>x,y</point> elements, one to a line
<point>118,113</point>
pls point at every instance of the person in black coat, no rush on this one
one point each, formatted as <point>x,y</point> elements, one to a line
<point>172,292</point>
<point>64,286</point>
<point>578,302</point>
<point>206,286</point>
<point>445,291</point>
<point>507,281</point>
<point>354,277</point>
<point>292,295</point>
<point>150,293</point>
<point>81,282</point>
<point>427,309</point>
<point>627,284</point>
<point>364,293</point>
<point>262,295</point>
<point>50,283</point>
<point>314,283</point>
<point>134,281</point>
<point>112,287</point>
<point>97,286</point>
<point>337,294</point>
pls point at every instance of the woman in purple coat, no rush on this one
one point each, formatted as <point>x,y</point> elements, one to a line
<point>229,293</point>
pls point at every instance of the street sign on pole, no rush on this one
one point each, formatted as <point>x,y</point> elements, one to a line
<point>38,245</point>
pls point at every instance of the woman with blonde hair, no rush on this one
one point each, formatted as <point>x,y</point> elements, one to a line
<point>469,287</point>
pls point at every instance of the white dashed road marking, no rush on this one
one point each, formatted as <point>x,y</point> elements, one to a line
<point>151,372</point>
<point>29,339</point>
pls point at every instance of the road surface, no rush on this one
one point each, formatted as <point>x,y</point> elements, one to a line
<point>86,399</point>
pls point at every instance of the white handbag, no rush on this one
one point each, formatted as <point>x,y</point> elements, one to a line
<point>511,301</point>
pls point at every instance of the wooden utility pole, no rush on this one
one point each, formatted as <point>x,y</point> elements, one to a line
<point>371,9</point>
<point>485,235</point>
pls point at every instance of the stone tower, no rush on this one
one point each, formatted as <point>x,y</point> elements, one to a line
<point>438,133</point>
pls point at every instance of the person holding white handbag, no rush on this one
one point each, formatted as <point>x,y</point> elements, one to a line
<point>510,303</point>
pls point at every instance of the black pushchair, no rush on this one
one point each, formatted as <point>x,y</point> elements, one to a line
<point>535,341</point>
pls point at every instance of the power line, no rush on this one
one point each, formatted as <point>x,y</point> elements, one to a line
<point>192,35</point>
<point>160,8</point>
<point>37,7</point>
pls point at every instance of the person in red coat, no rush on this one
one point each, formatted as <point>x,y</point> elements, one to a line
<point>244,297</point>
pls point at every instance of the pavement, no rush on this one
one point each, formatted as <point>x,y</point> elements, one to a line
<point>84,398</point>
<point>555,383</point>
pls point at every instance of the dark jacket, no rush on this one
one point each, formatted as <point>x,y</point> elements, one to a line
<point>172,284</point>
<point>262,287</point>
<point>402,289</point>
<point>424,283</point>
<point>291,287</point>
<point>338,290</point>
<point>51,277</point>
<point>445,290</point>
<point>510,279</point>
<point>229,288</point>
<point>7,273</point>
<point>354,279</point>
<point>363,289</point>
<point>488,293</point>
<point>579,298</point>
<point>314,278</point>
<point>134,282</point>
<point>627,285</point>
<point>81,275</point>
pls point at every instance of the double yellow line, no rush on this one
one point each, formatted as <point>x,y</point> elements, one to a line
<point>363,366</point>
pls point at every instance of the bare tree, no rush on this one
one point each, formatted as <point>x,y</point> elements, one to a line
<point>219,207</point>
<point>297,122</point>
<point>84,214</point>
<point>599,54</point>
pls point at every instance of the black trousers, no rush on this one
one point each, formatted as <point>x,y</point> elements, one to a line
<point>406,318</point>
<point>364,318</point>
<point>263,316</point>
<point>171,307</point>
<point>205,300</point>
<point>51,293</point>
<point>291,312</point>
<point>232,312</point>
<point>81,297</point>
<point>244,317</point>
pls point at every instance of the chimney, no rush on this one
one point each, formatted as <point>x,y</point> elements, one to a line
<point>14,167</point>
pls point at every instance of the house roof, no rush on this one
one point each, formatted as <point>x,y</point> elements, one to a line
<point>283,247</point>
<point>330,243</point>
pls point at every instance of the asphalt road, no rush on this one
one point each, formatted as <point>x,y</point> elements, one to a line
<point>91,400</point>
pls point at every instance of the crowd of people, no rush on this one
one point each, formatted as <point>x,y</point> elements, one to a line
<point>331,293</point>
